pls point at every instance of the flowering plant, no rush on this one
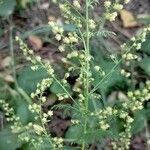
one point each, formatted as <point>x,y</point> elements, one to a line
<point>96,122</point>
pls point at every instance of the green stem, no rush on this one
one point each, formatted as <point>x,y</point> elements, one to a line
<point>86,84</point>
<point>43,125</point>
<point>11,46</point>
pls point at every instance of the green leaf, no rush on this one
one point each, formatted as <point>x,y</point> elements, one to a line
<point>28,79</point>
<point>57,88</point>
<point>146,45</point>
<point>46,29</point>
<point>145,65</point>
<point>113,79</point>
<point>69,27</point>
<point>27,146</point>
<point>7,7</point>
<point>8,141</point>
<point>44,146</point>
<point>75,133</point>
<point>144,19</point>
<point>105,33</point>
<point>94,104</point>
<point>23,112</point>
<point>138,123</point>
<point>97,135</point>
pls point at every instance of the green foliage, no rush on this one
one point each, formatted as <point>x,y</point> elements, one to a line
<point>139,122</point>
<point>43,29</point>
<point>146,45</point>
<point>23,112</point>
<point>75,133</point>
<point>57,88</point>
<point>28,79</point>
<point>7,7</point>
<point>144,19</point>
<point>8,140</point>
<point>145,65</point>
<point>113,76</point>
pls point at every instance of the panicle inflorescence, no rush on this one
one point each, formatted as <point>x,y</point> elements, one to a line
<point>75,46</point>
<point>130,53</point>
<point>10,115</point>
<point>112,8</point>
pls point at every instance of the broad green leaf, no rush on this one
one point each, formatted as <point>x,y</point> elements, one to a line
<point>97,135</point>
<point>145,65</point>
<point>94,104</point>
<point>28,79</point>
<point>114,78</point>
<point>57,88</point>
<point>45,29</point>
<point>144,19</point>
<point>7,7</point>
<point>44,146</point>
<point>8,141</point>
<point>23,112</point>
<point>75,133</point>
<point>138,123</point>
<point>27,146</point>
<point>146,45</point>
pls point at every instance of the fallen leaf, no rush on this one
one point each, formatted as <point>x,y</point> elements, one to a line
<point>52,18</point>
<point>57,20</point>
<point>44,6</point>
<point>6,62</point>
<point>36,42</point>
<point>128,19</point>
<point>9,78</point>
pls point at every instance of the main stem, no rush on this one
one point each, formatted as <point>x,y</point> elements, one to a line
<point>87,53</point>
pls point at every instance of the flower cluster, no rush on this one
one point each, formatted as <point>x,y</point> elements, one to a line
<point>35,60</point>
<point>104,115</point>
<point>70,17</point>
<point>11,116</point>
<point>125,135</point>
<point>75,121</point>
<point>125,73</point>
<point>137,98</point>
<point>70,38</point>
<point>77,57</point>
<point>41,87</point>
<point>58,142</point>
<point>130,55</point>
<point>112,8</point>
<point>135,103</point>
